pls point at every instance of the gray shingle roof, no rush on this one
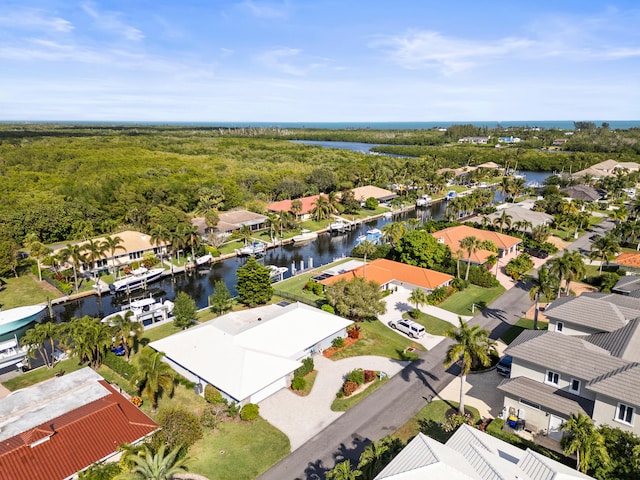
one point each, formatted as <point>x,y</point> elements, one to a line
<point>622,384</point>
<point>626,301</point>
<point>623,343</point>
<point>627,284</point>
<point>549,398</point>
<point>564,354</point>
<point>591,313</point>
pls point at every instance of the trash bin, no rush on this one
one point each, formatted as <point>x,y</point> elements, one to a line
<point>512,421</point>
<point>520,424</point>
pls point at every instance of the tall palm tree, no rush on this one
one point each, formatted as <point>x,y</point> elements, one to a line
<point>150,465</point>
<point>540,233</point>
<point>112,245</point>
<point>88,338</point>
<point>394,231</point>
<point>73,253</point>
<point>126,332</point>
<point>620,214</point>
<point>322,208</point>
<point>544,285</point>
<point>585,441</point>
<point>517,187</point>
<point>366,248</point>
<point>418,297</point>
<point>567,267</point>
<point>604,249</point>
<point>39,250</point>
<point>94,252</point>
<point>343,471</point>
<point>36,338</point>
<point>470,348</point>
<point>502,220</point>
<point>154,376</point>
<point>472,244</point>
<point>577,268</point>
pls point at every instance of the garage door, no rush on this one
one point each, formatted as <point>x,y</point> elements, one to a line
<point>554,427</point>
<point>269,390</point>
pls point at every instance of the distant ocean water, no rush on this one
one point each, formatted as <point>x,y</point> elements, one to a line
<point>543,124</point>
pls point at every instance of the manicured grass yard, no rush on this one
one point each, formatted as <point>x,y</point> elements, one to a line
<point>239,450</point>
<point>310,378</point>
<point>433,325</point>
<point>378,339</point>
<point>24,290</point>
<point>461,302</point>
<point>344,404</point>
<point>521,325</point>
<point>42,373</point>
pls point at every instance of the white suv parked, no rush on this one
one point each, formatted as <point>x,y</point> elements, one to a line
<point>409,327</point>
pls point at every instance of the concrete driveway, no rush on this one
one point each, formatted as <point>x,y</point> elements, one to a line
<point>301,418</point>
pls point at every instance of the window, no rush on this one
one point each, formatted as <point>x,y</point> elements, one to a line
<point>529,404</point>
<point>574,386</point>
<point>552,378</point>
<point>559,326</point>
<point>624,414</point>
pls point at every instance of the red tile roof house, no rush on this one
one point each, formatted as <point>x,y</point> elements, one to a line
<point>308,204</point>
<point>388,273</point>
<point>62,426</point>
<point>507,245</point>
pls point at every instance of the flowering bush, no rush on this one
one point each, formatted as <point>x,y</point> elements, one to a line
<point>136,400</point>
<point>349,387</point>
<point>354,332</point>
<point>369,376</point>
<point>454,421</point>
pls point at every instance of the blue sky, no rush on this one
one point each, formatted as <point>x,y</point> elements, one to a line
<point>319,60</point>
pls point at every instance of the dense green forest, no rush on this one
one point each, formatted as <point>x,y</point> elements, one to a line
<point>64,182</point>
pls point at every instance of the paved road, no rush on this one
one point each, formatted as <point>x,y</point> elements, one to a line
<point>390,407</point>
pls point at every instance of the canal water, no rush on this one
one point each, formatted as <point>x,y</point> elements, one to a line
<point>199,284</point>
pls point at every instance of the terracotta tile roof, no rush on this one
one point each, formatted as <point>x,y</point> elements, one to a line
<point>71,442</point>
<point>628,259</point>
<point>453,235</point>
<point>285,205</point>
<point>383,271</point>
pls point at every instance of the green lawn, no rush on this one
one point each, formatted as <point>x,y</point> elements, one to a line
<point>461,302</point>
<point>378,339</point>
<point>239,450</point>
<point>428,421</point>
<point>433,325</point>
<point>24,290</point>
<point>521,325</point>
<point>344,404</point>
<point>42,373</point>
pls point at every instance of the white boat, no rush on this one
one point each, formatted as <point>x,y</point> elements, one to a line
<point>138,278</point>
<point>304,237</point>
<point>387,215</point>
<point>339,226</point>
<point>16,318</point>
<point>373,235</point>
<point>253,248</point>
<point>451,194</point>
<point>208,258</point>
<point>277,272</point>
<point>144,309</point>
<point>423,201</point>
<point>11,352</point>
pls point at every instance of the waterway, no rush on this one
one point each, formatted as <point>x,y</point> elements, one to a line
<point>199,284</point>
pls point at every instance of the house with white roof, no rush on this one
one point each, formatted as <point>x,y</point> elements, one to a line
<point>249,355</point>
<point>472,455</point>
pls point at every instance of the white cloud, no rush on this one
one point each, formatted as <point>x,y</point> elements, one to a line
<point>279,59</point>
<point>111,22</point>
<point>266,10</point>
<point>35,19</point>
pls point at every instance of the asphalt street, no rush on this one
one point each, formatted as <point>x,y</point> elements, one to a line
<point>391,406</point>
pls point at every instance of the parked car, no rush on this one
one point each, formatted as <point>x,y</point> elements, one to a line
<point>537,252</point>
<point>408,327</point>
<point>504,366</point>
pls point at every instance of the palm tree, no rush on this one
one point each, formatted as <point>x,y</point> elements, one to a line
<point>39,250</point>
<point>35,339</point>
<point>620,214</point>
<point>322,209</point>
<point>517,186</point>
<point>504,186</point>
<point>502,220</point>
<point>296,207</point>
<point>88,339</point>
<point>585,441</point>
<point>245,233</point>
<point>472,244</point>
<point>366,248</point>
<point>154,466</point>
<point>577,268</point>
<point>544,285</point>
<point>154,376</point>
<point>394,231</point>
<point>567,267</point>
<point>604,249</point>
<point>418,297</point>
<point>343,471</point>
<point>94,252</point>
<point>470,348</point>
<point>522,225</point>
<point>126,332</point>
<point>112,245</point>
<point>74,254</point>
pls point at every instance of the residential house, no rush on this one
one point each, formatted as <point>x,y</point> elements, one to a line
<point>229,222</point>
<point>452,236</point>
<point>389,274</point>
<point>510,139</point>
<point>558,142</point>
<point>583,192</point>
<point>475,140</point>
<point>361,194</point>
<point>472,455</point>
<point>608,168</point>
<point>54,429</point>
<point>518,213</point>
<point>307,206</point>
<point>251,354</point>
<point>629,284</point>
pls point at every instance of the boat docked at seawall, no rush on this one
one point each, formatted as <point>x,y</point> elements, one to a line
<point>16,318</point>
<point>144,310</point>
<point>138,278</point>
<point>424,201</point>
<point>340,226</point>
<point>277,273</point>
<point>11,352</point>
<point>203,260</point>
<point>451,194</point>
<point>305,236</point>
<point>253,248</point>
<point>373,235</point>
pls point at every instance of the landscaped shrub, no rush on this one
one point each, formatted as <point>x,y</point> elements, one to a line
<point>452,423</point>
<point>371,203</point>
<point>136,400</point>
<point>298,383</point>
<point>213,415</point>
<point>482,277</point>
<point>459,284</point>
<point>212,394</point>
<point>439,295</point>
<point>369,376</point>
<point>356,376</point>
<point>517,267</point>
<point>313,287</point>
<point>354,332</point>
<point>348,388</point>
<point>328,308</point>
<point>337,342</point>
<point>249,412</point>
<point>233,409</point>
<point>179,427</point>
<point>306,368</point>
<point>119,365</point>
